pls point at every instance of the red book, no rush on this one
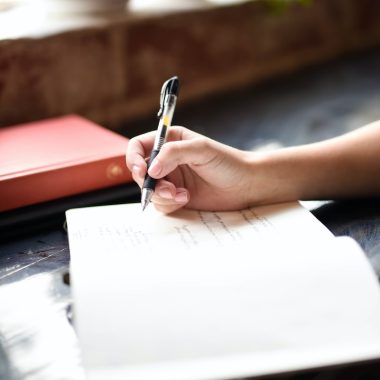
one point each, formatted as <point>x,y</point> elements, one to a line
<point>54,158</point>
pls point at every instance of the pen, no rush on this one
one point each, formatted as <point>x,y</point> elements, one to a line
<point>168,99</point>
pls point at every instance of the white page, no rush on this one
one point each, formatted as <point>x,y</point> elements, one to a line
<point>127,228</point>
<point>252,301</point>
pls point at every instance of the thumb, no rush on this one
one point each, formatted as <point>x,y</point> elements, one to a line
<point>196,152</point>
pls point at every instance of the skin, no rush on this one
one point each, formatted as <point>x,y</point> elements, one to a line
<point>196,172</point>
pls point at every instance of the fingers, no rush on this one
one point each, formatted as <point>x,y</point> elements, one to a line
<point>167,201</point>
<point>196,152</point>
<point>138,149</point>
<point>167,198</point>
<point>167,193</point>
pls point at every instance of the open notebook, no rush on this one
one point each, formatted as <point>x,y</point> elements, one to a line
<point>217,295</point>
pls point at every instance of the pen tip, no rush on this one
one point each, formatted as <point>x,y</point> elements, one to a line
<point>144,204</point>
<point>146,197</point>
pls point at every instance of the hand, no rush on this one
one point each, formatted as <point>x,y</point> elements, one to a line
<point>192,171</point>
<point>197,172</point>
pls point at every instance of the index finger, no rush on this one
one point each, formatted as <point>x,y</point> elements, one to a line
<point>138,149</point>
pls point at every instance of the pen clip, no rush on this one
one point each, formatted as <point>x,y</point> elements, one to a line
<point>164,91</point>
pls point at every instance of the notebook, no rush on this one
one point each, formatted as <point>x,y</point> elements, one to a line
<point>217,295</point>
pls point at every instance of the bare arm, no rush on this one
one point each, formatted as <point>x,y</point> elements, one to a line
<point>343,167</point>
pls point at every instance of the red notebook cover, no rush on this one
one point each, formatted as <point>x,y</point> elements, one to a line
<point>54,158</point>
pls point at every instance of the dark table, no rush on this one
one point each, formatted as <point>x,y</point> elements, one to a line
<point>318,103</point>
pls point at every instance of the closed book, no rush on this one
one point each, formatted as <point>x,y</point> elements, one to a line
<point>59,157</point>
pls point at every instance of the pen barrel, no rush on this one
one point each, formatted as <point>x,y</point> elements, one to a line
<point>165,122</point>
<point>160,136</point>
<point>149,182</point>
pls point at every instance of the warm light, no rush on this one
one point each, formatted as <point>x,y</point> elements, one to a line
<point>33,18</point>
<point>166,5</point>
<point>18,19</point>
<point>157,5</point>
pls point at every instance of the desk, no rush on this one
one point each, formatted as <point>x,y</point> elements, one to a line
<point>318,103</point>
<point>35,268</point>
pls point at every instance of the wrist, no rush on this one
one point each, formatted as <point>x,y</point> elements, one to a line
<point>276,176</point>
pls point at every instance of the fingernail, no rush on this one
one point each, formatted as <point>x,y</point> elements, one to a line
<point>165,192</point>
<point>136,170</point>
<point>181,197</point>
<point>155,168</point>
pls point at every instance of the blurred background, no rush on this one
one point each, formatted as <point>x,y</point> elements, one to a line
<point>291,70</point>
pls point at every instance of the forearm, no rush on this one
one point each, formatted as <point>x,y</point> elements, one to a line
<point>344,167</point>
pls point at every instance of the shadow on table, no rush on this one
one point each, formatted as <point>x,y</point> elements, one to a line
<point>359,219</point>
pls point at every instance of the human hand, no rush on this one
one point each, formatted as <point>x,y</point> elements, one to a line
<point>192,171</point>
<point>200,173</point>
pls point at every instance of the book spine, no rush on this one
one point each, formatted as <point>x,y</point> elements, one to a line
<point>61,182</point>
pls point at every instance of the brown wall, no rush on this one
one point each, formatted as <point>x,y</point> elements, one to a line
<point>113,73</point>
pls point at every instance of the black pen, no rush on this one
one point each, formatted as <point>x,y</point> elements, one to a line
<point>168,99</point>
